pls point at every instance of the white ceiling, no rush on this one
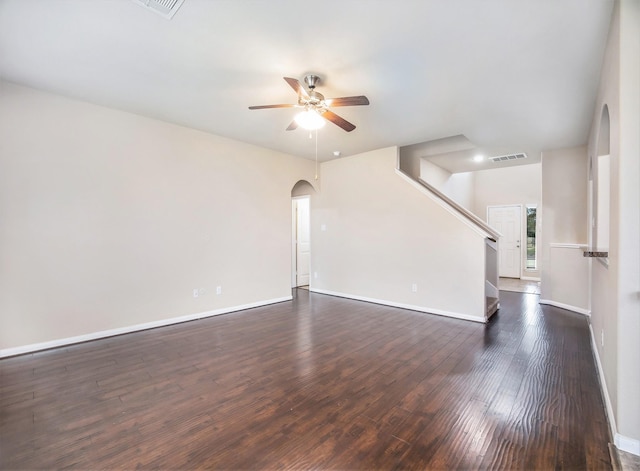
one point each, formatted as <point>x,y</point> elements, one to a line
<point>511,76</point>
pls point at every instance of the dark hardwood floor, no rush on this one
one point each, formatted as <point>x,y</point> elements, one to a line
<point>320,382</point>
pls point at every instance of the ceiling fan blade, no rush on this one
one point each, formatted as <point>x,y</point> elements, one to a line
<point>292,126</point>
<point>337,120</point>
<point>299,89</point>
<point>262,107</point>
<point>348,101</point>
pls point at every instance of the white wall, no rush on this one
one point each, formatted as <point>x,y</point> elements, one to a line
<point>506,186</point>
<point>457,186</point>
<point>434,175</point>
<point>564,195</point>
<point>629,224</point>
<point>615,288</point>
<point>564,229</point>
<point>375,244</point>
<point>109,219</point>
<point>565,277</point>
<point>461,187</point>
<point>603,297</point>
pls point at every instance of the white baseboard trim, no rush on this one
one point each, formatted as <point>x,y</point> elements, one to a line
<point>568,307</point>
<point>411,307</point>
<point>8,352</point>
<point>630,445</point>
<point>603,384</point>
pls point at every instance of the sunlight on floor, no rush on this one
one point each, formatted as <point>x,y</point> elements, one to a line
<point>519,286</point>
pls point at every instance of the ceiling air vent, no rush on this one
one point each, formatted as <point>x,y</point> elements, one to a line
<point>503,158</point>
<point>164,8</point>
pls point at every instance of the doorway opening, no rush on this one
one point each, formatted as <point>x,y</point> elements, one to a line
<point>301,241</point>
<point>301,234</point>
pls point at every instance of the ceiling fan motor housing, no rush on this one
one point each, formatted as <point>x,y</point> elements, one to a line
<point>311,81</point>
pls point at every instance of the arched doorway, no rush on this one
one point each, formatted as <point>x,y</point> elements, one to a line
<point>301,233</point>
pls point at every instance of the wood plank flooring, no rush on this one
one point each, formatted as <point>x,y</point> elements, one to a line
<point>320,382</point>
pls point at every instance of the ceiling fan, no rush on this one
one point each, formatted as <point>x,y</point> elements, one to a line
<point>316,107</point>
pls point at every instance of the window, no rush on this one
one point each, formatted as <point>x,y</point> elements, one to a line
<point>531,263</point>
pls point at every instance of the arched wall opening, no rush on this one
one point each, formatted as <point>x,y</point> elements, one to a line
<point>601,175</point>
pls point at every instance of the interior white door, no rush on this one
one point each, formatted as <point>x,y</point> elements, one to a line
<point>303,243</point>
<point>507,221</point>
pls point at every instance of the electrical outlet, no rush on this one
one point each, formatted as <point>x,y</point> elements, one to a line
<point>202,291</point>
<point>414,287</point>
<point>218,289</point>
<point>196,292</point>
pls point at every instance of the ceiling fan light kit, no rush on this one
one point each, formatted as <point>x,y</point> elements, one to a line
<point>310,120</point>
<point>316,107</point>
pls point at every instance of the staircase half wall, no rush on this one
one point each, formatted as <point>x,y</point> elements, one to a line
<point>379,236</point>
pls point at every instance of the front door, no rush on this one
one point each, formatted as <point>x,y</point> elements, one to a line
<point>507,221</point>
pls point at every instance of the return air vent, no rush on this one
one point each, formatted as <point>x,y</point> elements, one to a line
<point>503,158</point>
<point>164,8</point>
